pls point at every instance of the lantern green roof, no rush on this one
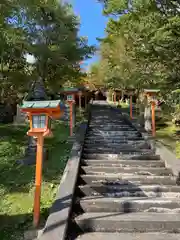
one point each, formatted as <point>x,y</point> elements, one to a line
<point>41,104</point>
<point>66,89</point>
<point>72,89</point>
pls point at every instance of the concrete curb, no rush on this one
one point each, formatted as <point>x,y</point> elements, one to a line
<point>57,222</point>
<point>169,157</point>
<point>166,155</point>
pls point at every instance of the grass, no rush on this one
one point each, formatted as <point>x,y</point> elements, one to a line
<point>168,134</point>
<point>17,182</point>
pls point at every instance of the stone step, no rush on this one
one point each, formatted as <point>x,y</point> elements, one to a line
<point>138,156</point>
<point>99,189</point>
<point>108,145</point>
<point>111,126</point>
<point>117,150</point>
<point>106,114</point>
<point>100,116</point>
<point>119,131</point>
<point>109,114</point>
<point>123,163</point>
<point>112,129</point>
<point>123,179</point>
<point>134,170</point>
<point>116,137</point>
<point>108,122</point>
<point>115,141</point>
<point>95,116</point>
<point>129,222</point>
<point>130,204</point>
<point>128,236</point>
<point>111,123</point>
<point>114,133</point>
<point>118,146</point>
<point>124,186</point>
<point>107,117</point>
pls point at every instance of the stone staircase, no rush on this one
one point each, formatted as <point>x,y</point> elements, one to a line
<point>124,189</point>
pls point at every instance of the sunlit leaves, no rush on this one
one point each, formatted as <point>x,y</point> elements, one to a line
<point>142,47</point>
<point>46,30</point>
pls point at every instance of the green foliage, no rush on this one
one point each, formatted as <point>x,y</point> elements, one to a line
<point>94,76</point>
<point>169,7</point>
<point>17,181</point>
<point>142,45</point>
<point>176,115</point>
<point>48,30</point>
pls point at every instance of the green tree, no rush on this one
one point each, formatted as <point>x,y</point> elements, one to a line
<point>48,30</point>
<point>142,43</point>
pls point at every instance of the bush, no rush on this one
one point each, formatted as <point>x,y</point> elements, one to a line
<point>176,115</point>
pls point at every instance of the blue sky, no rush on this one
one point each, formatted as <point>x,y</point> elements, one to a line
<point>92,21</point>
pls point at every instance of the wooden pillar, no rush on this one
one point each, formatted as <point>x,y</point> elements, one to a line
<point>153,119</point>
<point>114,96</point>
<point>38,180</point>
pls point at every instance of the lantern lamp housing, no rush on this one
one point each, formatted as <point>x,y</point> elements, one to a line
<point>70,97</point>
<point>39,121</point>
<point>40,114</point>
<point>72,91</point>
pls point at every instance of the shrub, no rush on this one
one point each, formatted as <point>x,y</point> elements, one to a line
<point>176,115</point>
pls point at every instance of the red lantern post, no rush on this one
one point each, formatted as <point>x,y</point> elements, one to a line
<point>40,114</point>
<point>114,96</point>
<point>153,119</point>
<point>71,100</point>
